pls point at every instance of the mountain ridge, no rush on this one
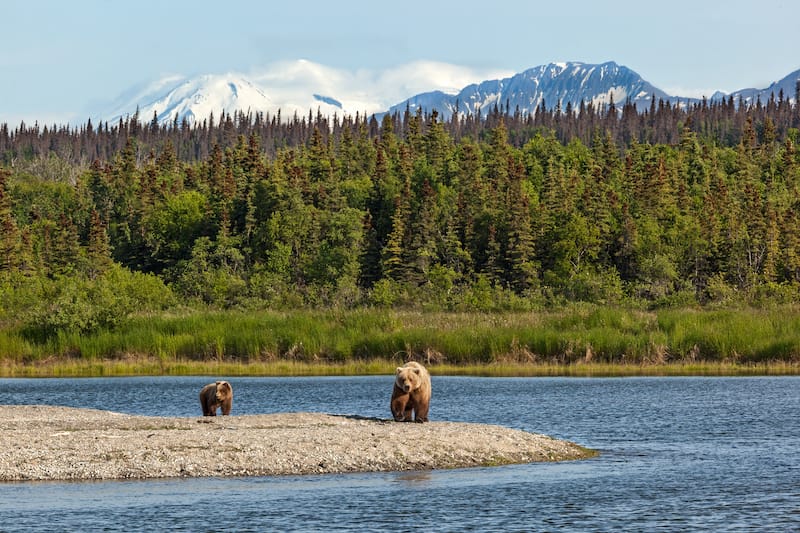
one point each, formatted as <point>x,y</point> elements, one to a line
<point>556,83</point>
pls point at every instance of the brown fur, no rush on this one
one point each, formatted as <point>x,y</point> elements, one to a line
<point>216,395</point>
<point>411,393</point>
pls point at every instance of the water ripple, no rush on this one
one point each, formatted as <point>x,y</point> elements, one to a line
<point>677,454</point>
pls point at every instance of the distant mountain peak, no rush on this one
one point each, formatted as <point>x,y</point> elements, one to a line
<point>553,83</point>
<point>788,86</point>
<point>197,98</point>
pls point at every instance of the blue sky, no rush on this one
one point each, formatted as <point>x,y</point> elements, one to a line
<point>60,60</point>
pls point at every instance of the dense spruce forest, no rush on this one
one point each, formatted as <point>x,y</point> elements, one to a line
<point>673,205</point>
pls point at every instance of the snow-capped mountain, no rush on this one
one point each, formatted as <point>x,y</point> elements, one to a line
<point>301,87</point>
<point>789,86</point>
<point>553,83</point>
<point>195,99</point>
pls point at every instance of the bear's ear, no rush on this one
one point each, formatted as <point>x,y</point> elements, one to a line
<point>416,370</point>
<point>399,369</point>
<point>218,382</point>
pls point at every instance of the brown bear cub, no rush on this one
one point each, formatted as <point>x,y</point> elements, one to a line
<point>216,395</point>
<point>412,392</point>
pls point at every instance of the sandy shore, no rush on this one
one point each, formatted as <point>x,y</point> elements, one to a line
<point>61,443</point>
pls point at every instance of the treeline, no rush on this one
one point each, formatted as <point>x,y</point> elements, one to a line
<point>505,212</point>
<point>720,122</point>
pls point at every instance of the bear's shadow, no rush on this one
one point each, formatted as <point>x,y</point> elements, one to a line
<point>367,418</point>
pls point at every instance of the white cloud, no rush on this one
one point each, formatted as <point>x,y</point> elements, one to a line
<point>688,92</point>
<point>365,89</point>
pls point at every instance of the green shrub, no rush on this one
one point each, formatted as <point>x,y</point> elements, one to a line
<point>80,304</point>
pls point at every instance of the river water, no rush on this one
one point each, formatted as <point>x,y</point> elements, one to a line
<point>677,454</point>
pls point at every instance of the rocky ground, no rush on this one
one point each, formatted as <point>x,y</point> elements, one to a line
<point>61,443</point>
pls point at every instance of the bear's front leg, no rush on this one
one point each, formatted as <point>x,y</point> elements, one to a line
<point>421,412</point>
<point>401,411</point>
<point>226,407</point>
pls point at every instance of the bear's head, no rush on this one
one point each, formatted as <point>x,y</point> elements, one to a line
<point>224,390</point>
<point>408,378</point>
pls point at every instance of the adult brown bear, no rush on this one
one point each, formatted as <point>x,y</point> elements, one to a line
<point>216,395</point>
<point>412,392</point>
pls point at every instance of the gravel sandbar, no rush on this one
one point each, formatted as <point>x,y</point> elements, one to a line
<point>63,443</point>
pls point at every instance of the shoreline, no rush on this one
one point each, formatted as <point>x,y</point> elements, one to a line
<point>148,366</point>
<point>47,443</point>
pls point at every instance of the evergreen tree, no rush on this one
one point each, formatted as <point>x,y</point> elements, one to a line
<point>9,234</point>
<point>520,254</point>
<point>423,242</point>
<point>66,250</point>
<point>98,248</point>
<point>394,265</point>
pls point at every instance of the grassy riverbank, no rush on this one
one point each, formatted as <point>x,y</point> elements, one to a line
<point>579,340</point>
<point>151,367</point>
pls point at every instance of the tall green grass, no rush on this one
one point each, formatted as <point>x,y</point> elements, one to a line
<point>582,338</point>
<point>748,336</point>
<point>151,367</point>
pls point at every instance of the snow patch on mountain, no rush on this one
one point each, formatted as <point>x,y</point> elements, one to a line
<point>618,93</point>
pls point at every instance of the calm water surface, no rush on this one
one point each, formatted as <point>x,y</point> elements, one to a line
<point>677,454</point>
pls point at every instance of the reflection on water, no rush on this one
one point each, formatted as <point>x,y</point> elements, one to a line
<point>677,454</point>
<point>414,478</point>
